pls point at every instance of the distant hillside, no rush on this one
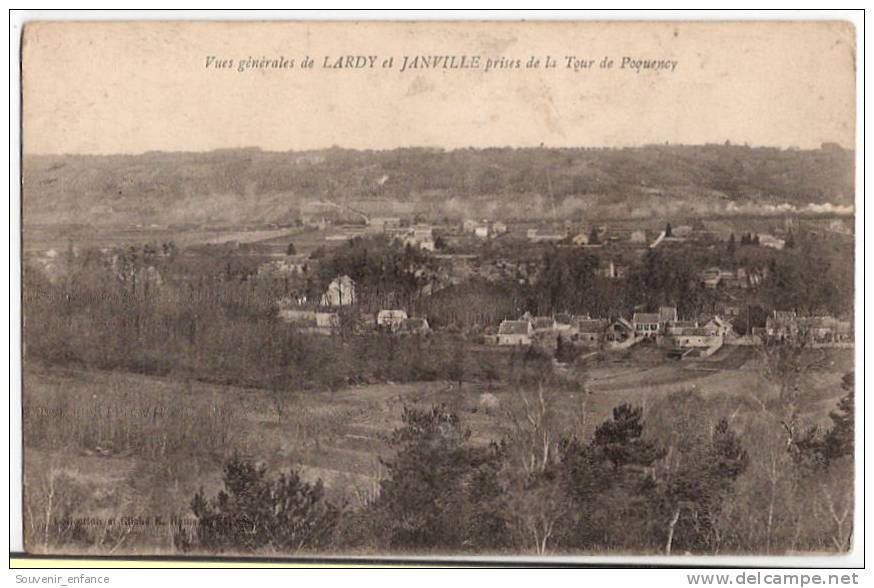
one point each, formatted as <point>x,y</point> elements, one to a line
<point>250,185</point>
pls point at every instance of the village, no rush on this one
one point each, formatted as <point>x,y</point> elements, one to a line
<point>450,255</point>
<point>461,251</point>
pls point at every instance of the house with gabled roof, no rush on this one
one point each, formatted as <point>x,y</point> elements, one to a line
<point>646,324</point>
<point>696,338</point>
<point>543,324</point>
<point>620,331</point>
<point>717,325</point>
<point>515,332</point>
<point>667,314</point>
<point>590,332</point>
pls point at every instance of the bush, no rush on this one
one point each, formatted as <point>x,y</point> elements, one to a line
<point>254,513</point>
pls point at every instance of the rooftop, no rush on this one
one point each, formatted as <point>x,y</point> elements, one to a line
<point>514,328</point>
<point>646,317</point>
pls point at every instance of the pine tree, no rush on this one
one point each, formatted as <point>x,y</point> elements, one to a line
<point>253,512</point>
<point>620,441</point>
<point>564,351</point>
<point>839,440</point>
<point>668,230</point>
<point>290,250</point>
<point>732,246</point>
<point>422,502</point>
<point>593,237</point>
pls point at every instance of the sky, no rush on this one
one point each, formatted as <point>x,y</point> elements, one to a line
<point>104,88</point>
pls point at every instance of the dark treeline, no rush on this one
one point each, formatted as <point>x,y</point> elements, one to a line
<point>807,280</point>
<point>218,328</point>
<point>271,185</point>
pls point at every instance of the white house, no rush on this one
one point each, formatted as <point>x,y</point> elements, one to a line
<point>515,333</point>
<point>646,324</point>
<point>391,319</point>
<point>340,292</point>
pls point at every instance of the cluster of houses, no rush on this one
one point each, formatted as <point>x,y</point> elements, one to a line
<point>419,236</point>
<point>705,335</point>
<point>484,229</point>
<point>787,326</point>
<point>663,328</point>
<point>341,293</point>
<point>327,322</point>
<point>741,278</point>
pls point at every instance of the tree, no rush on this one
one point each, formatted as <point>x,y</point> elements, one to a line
<point>290,250</point>
<point>424,501</point>
<point>668,230</point>
<point>732,246</point>
<point>537,501</point>
<point>593,237</point>
<point>532,437</point>
<point>790,240</point>
<point>566,282</point>
<point>455,367</point>
<point>620,441</point>
<point>565,352</point>
<point>254,512</point>
<point>839,440</point>
<point>609,482</point>
<point>695,490</point>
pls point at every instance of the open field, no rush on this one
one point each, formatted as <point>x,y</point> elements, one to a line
<point>39,238</point>
<point>139,447</point>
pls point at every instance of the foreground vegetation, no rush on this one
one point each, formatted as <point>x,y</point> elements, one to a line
<point>532,468</point>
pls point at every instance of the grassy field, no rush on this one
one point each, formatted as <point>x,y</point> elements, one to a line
<point>118,445</point>
<point>43,237</point>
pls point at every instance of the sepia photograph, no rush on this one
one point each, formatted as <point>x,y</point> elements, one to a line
<point>304,290</point>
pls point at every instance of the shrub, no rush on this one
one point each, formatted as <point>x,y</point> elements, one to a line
<point>255,513</point>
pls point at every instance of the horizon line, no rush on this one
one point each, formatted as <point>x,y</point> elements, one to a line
<point>821,146</point>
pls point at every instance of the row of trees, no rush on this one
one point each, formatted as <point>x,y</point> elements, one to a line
<point>810,279</point>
